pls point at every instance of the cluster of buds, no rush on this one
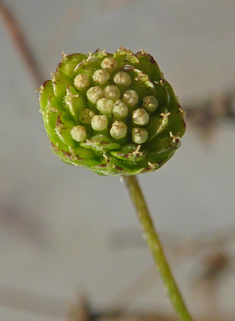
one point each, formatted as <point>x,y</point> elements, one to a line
<point>112,113</point>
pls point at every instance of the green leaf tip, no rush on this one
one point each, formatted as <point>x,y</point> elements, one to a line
<point>112,113</point>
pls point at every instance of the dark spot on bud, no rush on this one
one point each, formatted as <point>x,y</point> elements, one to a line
<point>67,154</point>
<point>80,159</point>
<point>152,60</point>
<point>53,146</point>
<point>119,168</point>
<point>58,120</point>
<point>97,50</point>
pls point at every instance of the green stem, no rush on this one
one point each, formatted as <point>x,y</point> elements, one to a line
<point>155,246</point>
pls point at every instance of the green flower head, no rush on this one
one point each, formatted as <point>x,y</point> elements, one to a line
<point>112,113</point>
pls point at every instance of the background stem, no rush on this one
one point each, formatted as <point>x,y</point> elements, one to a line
<point>155,246</point>
<point>21,42</point>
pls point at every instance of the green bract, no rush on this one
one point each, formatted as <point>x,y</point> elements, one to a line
<point>112,113</point>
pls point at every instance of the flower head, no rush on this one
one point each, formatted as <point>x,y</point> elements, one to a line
<point>112,113</point>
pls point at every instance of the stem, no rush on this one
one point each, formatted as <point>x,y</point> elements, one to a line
<point>155,246</point>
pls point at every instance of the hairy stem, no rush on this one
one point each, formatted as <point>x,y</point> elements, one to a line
<point>155,246</point>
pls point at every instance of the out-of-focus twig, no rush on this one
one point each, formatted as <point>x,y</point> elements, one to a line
<point>15,220</point>
<point>19,38</point>
<point>32,302</point>
<point>206,116</point>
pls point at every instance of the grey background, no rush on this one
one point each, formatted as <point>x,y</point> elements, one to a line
<point>57,221</point>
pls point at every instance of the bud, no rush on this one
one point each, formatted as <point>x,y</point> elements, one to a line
<point>112,113</point>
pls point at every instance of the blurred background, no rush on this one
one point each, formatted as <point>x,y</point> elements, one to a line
<point>69,239</point>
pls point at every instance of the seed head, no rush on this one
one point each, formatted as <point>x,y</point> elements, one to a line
<point>101,76</point>
<point>122,78</point>
<point>105,106</point>
<point>81,81</point>
<point>112,92</point>
<point>94,93</point>
<point>99,122</point>
<point>130,97</point>
<point>78,133</point>
<point>140,117</point>
<point>150,103</point>
<point>118,130</point>
<point>120,109</point>
<point>109,64</point>
<point>139,135</point>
